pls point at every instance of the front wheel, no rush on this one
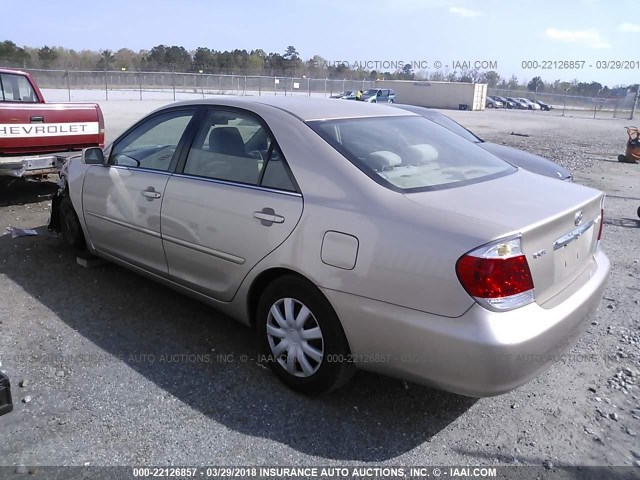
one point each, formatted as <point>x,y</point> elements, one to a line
<point>302,337</point>
<point>70,225</point>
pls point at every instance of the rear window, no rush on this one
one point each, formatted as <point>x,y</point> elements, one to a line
<point>410,154</point>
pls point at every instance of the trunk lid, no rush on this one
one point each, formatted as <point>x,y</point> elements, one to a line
<point>32,128</point>
<point>558,222</point>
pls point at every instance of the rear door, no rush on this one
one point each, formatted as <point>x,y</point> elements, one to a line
<point>122,201</point>
<point>234,203</point>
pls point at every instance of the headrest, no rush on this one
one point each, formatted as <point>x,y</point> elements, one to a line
<point>419,154</point>
<point>383,160</point>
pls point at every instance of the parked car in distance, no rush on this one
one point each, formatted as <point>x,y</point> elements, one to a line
<point>543,106</point>
<point>518,103</point>
<point>519,158</point>
<point>494,103</point>
<point>505,102</point>
<point>348,235</point>
<point>530,105</point>
<point>379,95</point>
<point>347,94</point>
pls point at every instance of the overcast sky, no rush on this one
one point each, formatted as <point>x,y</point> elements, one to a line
<point>424,31</point>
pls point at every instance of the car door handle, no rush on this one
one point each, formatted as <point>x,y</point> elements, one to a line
<point>37,119</point>
<point>150,193</point>
<point>267,216</point>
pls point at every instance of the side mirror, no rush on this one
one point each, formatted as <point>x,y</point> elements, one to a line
<point>6,405</point>
<point>93,156</point>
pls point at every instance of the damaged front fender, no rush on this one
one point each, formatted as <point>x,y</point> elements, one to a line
<point>63,190</point>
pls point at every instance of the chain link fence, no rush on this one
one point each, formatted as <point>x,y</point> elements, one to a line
<point>565,104</point>
<point>75,85</point>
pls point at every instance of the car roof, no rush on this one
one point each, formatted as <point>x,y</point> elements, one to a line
<point>305,108</point>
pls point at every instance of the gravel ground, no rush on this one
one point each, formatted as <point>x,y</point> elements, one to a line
<point>102,356</point>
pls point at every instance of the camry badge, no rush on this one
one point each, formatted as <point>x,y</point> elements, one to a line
<point>577,219</point>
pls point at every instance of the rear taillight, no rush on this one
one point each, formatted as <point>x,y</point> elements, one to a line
<point>497,275</point>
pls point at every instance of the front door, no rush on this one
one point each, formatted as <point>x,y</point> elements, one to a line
<point>122,201</point>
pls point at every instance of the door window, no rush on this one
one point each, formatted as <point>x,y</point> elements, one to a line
<point>152,144</point>
<point>236,147</point>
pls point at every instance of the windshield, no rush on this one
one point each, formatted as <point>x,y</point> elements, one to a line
<point>371,92</point>
<point>410,153</point>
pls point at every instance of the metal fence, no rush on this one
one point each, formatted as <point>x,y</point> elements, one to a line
<point>596,107</point>
<point>130,85</point>
<point>74,85</point>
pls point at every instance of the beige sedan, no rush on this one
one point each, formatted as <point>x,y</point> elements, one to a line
<point>349,235</point>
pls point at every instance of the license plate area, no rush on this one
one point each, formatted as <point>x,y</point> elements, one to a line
<point>572,251</point>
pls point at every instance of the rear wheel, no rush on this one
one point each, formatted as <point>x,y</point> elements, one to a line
<point>302,337</point>
<point>70,225</point>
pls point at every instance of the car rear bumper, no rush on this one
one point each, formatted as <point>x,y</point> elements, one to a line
<point>479,354</point>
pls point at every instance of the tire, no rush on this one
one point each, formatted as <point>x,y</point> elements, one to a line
<point>490,105</point>
<point>638,212</point>
<point>315,365</point>
<point>70,225</point>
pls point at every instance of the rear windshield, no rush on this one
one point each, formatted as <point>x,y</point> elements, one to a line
<point>410,153</point>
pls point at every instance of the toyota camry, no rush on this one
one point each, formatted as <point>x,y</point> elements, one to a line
<point>348,235</point>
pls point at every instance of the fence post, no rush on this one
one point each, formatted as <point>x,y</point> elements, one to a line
<point>173,82</point>
<point>595,104</point>
<point>140,76</point>
<point>106,85</point>
<point>68,85</point>
<point>635,102</point>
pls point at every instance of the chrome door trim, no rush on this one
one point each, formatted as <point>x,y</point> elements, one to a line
<point>125,224</point>
<point>236,184</point>
<point>208,251</point>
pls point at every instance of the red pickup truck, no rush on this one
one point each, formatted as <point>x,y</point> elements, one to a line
<point>34,134</point>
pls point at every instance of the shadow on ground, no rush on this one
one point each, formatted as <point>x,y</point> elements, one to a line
<point>373,418</point>
<point>20,192</point>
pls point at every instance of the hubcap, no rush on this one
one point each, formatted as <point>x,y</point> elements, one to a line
<point>295,337</point>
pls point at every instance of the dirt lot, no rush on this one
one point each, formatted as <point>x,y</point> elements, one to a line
<point>103,355</point>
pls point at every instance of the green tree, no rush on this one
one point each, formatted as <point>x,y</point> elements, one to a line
<point>535,85</point>
<point>107,59</point>
<point>491,78</point>
<point>47,56</point>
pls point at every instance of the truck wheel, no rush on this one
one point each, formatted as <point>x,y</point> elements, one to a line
<point>302,337</point>
<point>70,225</point>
